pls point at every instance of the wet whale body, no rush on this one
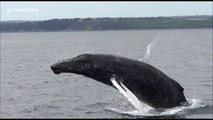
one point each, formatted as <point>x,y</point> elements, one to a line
<point>146,82</point>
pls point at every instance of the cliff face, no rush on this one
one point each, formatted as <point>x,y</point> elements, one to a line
<point>78,24</point>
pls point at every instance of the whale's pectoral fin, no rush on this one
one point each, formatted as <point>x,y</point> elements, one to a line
<point>128,94</point>
<point>117,83</point>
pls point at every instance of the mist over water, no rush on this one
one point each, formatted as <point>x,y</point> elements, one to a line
<point>29,89</point>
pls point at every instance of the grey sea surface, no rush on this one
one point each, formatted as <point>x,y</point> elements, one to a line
<point>29,89</point>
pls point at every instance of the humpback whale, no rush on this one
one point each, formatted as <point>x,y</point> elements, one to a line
<point>147,83</point>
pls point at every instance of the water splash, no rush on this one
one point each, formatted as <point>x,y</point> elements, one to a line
<point>142,109</point>
<point>180,110</point>
<point>148,51</point>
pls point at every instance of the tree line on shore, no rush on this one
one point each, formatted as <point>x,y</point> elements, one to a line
<point>125,23</point>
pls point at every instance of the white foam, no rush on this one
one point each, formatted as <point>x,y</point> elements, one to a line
<point>194,104</point>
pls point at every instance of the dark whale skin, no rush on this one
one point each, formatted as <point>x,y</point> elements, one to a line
<point>146,82</point>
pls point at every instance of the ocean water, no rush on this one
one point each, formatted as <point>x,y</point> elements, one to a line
<point>29,89</point>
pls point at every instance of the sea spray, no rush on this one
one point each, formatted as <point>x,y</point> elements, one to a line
<point>148,51</point>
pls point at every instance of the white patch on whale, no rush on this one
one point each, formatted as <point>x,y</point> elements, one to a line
<point>140,106</point>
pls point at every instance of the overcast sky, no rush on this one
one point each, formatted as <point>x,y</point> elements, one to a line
<point>50,10</point>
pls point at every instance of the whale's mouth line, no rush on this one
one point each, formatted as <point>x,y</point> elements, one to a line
<point>58,70</point>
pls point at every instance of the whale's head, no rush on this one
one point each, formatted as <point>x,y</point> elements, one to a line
<point>79,65</point>
<point>89,65</point>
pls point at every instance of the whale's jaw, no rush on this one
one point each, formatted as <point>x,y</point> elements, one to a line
<point>55,69</point>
